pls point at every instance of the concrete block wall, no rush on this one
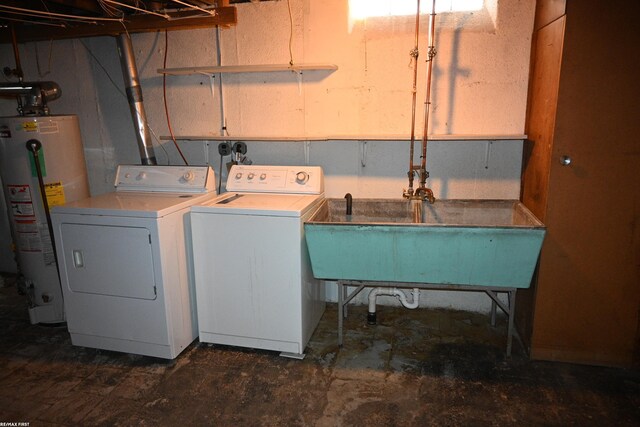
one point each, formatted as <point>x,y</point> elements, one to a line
<point>479,88</point>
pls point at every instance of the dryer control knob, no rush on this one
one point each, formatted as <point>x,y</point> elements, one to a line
<point>239,175</point>
<point>251,175</point>
<point>302,177</point>
<point>189,176</point>
<point>263,177</point>
<point>141,176</point>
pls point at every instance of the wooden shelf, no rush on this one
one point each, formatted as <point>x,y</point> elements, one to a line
<point>266,68</point>
<point>345,138</point>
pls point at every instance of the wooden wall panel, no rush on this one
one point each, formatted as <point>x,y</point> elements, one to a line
<point>542,116</point>
<point>589,283</point>
<point>586,298</point>
<point>541,113</point>
<point>548,11</point>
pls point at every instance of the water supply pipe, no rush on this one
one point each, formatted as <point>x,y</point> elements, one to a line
<point>223,118</point>
<point>414,53</point>
<point>422,192</point>
<point>32,96</point>
<point>431,53</point>
<point>134,96</point>
<point>16,54</point>
<point>418,215</point>
<point>395,292</point>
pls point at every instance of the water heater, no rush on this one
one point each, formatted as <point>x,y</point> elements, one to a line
<point>61,160</point>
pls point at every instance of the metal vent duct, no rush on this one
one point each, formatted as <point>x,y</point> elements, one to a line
<point>134,95</point>
<point>32,97</point>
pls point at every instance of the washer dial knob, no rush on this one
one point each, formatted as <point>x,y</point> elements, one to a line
<point>239,175</point>
<point>250,176</point>
<point>302,177</point>
<point>263,177</point>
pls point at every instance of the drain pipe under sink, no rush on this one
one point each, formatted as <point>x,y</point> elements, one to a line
<point>398,293</point>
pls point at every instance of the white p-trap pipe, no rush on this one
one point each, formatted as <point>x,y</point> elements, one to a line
<point>395,292</point>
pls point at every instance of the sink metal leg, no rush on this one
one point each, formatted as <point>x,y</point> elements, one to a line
<point>493,313</point>
<point>345,291</point>
<point>340,312</point>
<point>512,305</point>
<point>509,309</point>
<point>343,300</point>
<point>344,297</point>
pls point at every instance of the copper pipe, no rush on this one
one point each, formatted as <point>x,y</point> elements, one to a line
<point>16,53</point>
<point>425,134</point>
<point>414,54</point>
<point>417,211</point>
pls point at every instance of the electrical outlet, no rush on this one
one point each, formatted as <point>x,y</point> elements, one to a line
<point>224,148</point>
<point>240,147</point>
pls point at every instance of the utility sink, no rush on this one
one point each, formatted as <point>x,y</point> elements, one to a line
<point>490,243</point>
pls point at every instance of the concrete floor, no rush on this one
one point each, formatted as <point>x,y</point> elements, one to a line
<point>421,367</point>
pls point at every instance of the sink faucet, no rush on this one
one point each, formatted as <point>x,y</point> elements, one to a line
<point>349,198</point>
<point>424,193</point>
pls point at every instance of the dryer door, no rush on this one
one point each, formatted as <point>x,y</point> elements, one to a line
<point>108,260</point>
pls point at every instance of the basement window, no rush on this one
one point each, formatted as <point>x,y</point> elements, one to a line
<point>471,14</point>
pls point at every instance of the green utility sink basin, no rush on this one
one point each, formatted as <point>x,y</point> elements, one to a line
<point>460,242</point>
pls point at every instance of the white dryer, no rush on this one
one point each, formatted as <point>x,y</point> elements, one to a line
<point>254,284</point>
<point>125,261</point>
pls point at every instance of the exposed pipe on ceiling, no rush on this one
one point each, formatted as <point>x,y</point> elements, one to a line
<point>32,97</point>
<point>134,96</point>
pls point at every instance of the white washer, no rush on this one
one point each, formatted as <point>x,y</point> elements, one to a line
<point>254,284</point>
<point>125,261</point>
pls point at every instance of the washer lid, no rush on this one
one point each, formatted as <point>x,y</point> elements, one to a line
<point>133,204</point>
<point>293,205</point>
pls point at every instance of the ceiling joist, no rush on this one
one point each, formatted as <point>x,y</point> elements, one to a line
<point>158,15</point>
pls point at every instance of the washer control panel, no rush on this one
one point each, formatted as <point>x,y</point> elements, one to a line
<point>175,179</point>
<point>276,179</point>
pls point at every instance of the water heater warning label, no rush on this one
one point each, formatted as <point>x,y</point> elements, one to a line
<point>28,235</point>
<point>29,242</point>
<point>55,194</point>
<point>20,209</point>
<point>19,193</point>
<point>20,201</point>
<point>24,218</point>
<point>49,127</point>
<point>47,246</point>
<point>26,226</point>
<point>30,126</point>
